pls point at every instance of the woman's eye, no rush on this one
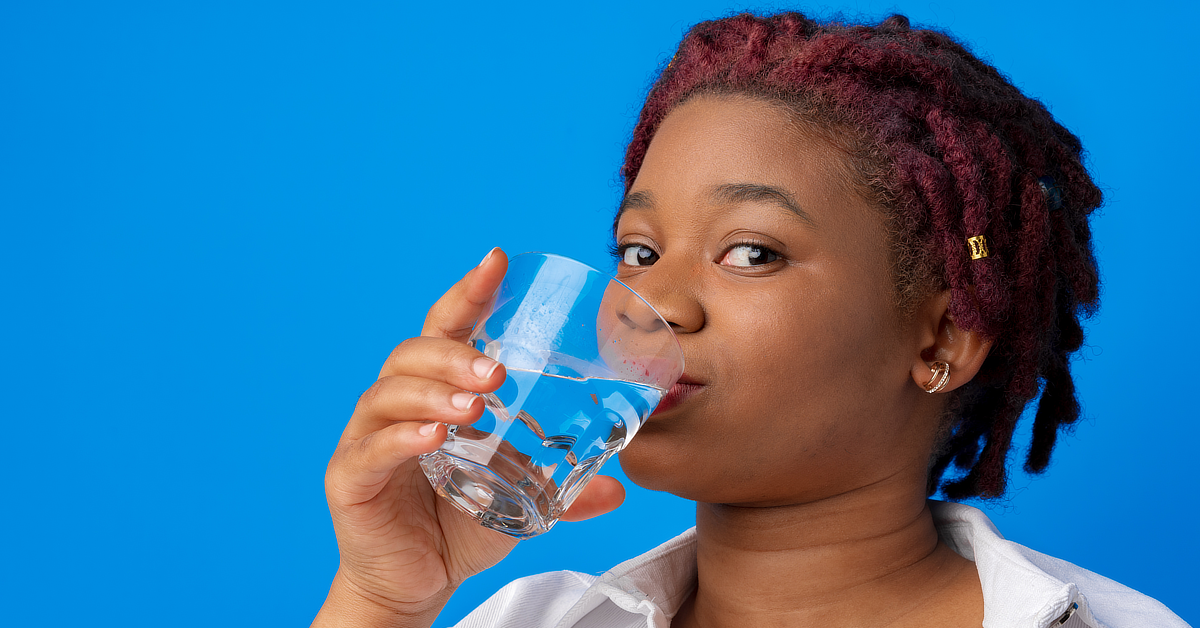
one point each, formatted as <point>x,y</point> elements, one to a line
<point>749,255</point>
<point>638,255</point>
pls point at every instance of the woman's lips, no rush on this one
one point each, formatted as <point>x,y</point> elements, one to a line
<point>684,388</point>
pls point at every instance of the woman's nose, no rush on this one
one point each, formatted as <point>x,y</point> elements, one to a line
<point>635,313</point>
<point>670,292</point>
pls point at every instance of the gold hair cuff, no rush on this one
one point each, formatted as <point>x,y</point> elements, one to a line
<point>939,379</point>
<point>978,246</point>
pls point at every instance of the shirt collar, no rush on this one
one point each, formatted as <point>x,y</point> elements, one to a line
<point>1016,591</point>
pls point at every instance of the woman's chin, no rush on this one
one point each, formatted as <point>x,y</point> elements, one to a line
<point>651,467</point>
<point>666,469</point>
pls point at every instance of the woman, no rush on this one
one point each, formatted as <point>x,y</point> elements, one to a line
<point>875,252</point>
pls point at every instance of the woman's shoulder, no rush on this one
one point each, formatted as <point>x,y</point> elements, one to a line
<point>1025,587</point>
<point>1021,587</point>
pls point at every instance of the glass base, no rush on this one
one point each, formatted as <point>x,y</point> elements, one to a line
<point>518,508</point>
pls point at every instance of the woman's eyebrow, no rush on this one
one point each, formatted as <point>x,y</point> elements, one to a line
<point>635,200</point>
<point>759,192</point>
<point>727,193</point>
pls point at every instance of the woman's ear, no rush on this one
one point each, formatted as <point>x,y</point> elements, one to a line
<point>943,341</point>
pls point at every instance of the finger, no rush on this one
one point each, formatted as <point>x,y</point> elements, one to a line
<point>454,315</point>
<point>360,468</point>
<point>601,496</point>
<point>439,359</point>
<point>395,399</point>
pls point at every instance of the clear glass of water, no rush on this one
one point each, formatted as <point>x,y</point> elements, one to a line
<point>587,361</point>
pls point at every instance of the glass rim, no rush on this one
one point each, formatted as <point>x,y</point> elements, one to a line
<point>571,260</point>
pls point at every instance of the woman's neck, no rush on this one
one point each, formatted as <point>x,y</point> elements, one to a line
<point>866,558</point>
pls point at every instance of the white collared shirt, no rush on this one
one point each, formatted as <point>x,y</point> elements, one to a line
<point>1021,588</point>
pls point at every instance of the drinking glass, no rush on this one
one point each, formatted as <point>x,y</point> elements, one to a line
<point>587,361</point>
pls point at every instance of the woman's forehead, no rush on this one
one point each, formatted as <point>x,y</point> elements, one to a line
<point>728,150</point>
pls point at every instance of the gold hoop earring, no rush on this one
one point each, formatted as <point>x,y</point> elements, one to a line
<point>941,377</point>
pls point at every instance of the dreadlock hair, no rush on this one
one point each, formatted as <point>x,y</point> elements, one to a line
<point>947,149</point>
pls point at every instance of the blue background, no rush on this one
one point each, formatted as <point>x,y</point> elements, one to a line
<point>218,218</point>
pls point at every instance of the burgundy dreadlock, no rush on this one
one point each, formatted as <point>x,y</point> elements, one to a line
<point>947,148</point>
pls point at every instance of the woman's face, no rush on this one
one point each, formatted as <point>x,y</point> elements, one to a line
<point>743,229</point>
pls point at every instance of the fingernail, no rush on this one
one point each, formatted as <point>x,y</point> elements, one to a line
<point>427,429</point>
<point>484,367</point>
<point>462,401</point>
<point>487,257</point>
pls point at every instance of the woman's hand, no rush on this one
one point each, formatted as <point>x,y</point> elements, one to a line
<point>403,548</point>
